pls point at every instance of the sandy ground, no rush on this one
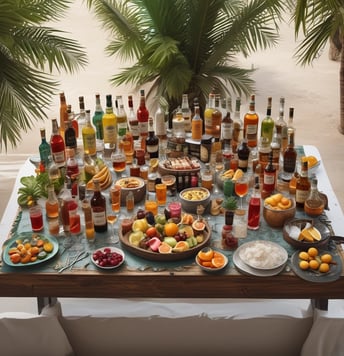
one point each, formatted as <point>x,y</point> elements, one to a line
<point>312,90</point>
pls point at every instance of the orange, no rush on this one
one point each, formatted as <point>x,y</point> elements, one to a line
<point>206,264</point>
<point>314,264</point>
<point>206,254</point>
<point>304,264</point>
<point>171,229</point>
<point>304,255</point>
<point>324,267</point>
<point>312,251</point>
<point>218,260</point>
<point>327,258</point>
<point>165,248</point>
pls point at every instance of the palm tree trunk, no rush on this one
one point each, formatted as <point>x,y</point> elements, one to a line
<point>341,90</point>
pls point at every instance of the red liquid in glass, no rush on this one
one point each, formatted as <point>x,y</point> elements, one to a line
<point>253,213</point>
<point>36,221</point>
<point>241,189</point>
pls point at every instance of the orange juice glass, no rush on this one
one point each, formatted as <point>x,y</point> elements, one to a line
<point>161,190</point>
<point>115,193</point>
<point>152,206</point>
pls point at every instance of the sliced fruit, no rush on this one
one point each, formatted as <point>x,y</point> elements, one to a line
<point>312,160</point>
<point>140,225</point>
<point>238,174</point>
<point>198,225</point>
<point>170,241</point>
<point>154,243</point>
<point>192,241</point>
<point>187,229</point>
<point>181,246</point>
<point>136,237</point>
<point>200,238</point>
<point>206,254</point>
<point>165,248</point>
<point>218,260</point>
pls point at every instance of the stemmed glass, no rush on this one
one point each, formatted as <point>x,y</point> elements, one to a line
<point>241,188</point>
<point>111,219</point>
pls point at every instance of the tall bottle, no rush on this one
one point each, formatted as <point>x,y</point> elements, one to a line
<point>238,126</point>
<point>98,205</point>
<point>281,127</point>
<point>276,149</point>
<point>289,158</point>
<point>63,113</point>
<point>227,127</point>
<point>216,118</point>
<point>268,123</point>
<point>57,146</point>
<point>97,118</point>
<point>303,186</point>
<point>160,125</point>
<point>143,115</point>
<point>243,152</point>
<point>196,125</point>
<point>133,122</point>
<point>89,135</point>
<point>251,121</point>
<point>208,119</point>
<point>70,134</point>
<point>44,149</point>
<point>186,112</point>
<point>89,225</point>
<point>109,124</point>
<point>82,116</point>
<point>290,123</point>
<point>122,123</point>
<point>254,207</point>
<point>269,178</point>
<point>152,141</point>
<point>72,171</point>
<point>52,203</point>
<point>65,199</point>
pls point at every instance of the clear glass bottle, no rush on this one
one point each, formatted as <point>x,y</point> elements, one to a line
<point>314,203</point>
<point>207,177</point>
<point>251,121</point>
<point>303,186</point>
<point>57,146</point>
<point>122,123</point>
<point>97,118</point>
<point>186,111</point>
<point>52,203</point>
<point>290,123</point>
<point>64,198</point>
<point>89,136</point>
<point>160,125</point>
<point>132,119</point>
<point>281,127</point>
<point>98,205</point>
<point>238,126</point>
<point>268,123</point>
<point>44,149</point>
<point>178,125</point>
<point>81,119</point>
<point>72,171</point>
<point>89,226</point>
<point>254,207</point>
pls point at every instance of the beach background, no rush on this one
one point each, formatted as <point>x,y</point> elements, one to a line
<point>312,90</point>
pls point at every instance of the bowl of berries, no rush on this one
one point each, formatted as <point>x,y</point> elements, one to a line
<point>108,257</point>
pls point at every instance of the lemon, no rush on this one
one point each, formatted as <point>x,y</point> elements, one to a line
<point>238,174</point>
<point>153,163</point>
<point>140,225</point>
<point>136,237</point>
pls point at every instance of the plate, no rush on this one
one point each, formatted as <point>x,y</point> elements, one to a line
<point>166,257</point>
<point>28,235</point>
<point>313,276</point>
<point>246,269</point>
<point>262,255</point>
<point>212,269</point>
<point>109,249</point>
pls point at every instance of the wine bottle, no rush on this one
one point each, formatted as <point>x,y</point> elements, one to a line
<point>243,154</point>
<point>98,205</point>
<point>227,127</point>
<point>208,121</point>
<point>289,159</point>
<point>251,120</point>
<point>44,149</point>
<point>122,123</point>
<point>70,134</point>
<point>267,126</point>
<point>89,135</point>
<point>109,124</point>
<point>281,127</point>
<point>152,141</point>
<point>269,178</point>
<point>143,115</point>
<point>57,146</point>
<point>97,118</point>
<point>238,126</point>
<point>133,122</point>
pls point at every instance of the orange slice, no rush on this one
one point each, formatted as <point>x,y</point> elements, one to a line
<point>218,260</point>
<point>206,254</point>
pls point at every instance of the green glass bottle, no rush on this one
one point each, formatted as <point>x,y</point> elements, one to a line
<point>44,149</point>
<point>267,126</point>
<point>97,118</point>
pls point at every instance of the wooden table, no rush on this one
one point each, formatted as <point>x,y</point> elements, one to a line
<point>185,283</point>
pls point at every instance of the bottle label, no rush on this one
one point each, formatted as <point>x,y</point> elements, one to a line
<point>227,131</point>
<point>143,128</point>
<point>196,129</point>
<point>152,148</point>
<point>251,130</point>
<point>134,127</point>
<point>122,128</point>
<point>301,196</point>
<point>59,157</point>
<point>110,134</point>
<point>99,217</point>
<point>242,163</point>
<point>269,179</point>
<point>90,143</point>
<point>289,164</point>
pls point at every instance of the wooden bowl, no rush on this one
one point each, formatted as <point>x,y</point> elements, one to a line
<point>190,206</point>
<point>277,218</point>
<point>139,191</point>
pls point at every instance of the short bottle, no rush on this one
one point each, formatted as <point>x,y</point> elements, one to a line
<point>207,178</point>
<point>251,121</point>
<point>254,207</point>
<point>178,125</point>
<point>52,203</point>
<point>243,152</point>
<point>152,141</point>
<point>269,178</point>
<point>228,241</point>
<point>98,205</point>
<point>314,203</point>
<point>303,186</point>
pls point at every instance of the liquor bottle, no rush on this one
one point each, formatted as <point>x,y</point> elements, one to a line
<point>289,158</point>
<point>54,172</point>
<point>89,225</point>
<point>186,112</point>
<point>268,123</point>
<point>152,141</point>
<point>314,203</point>
<point>227,127</point>
<point>133,122</point>
<point>251,121</point>
<point>281,127</point>
<point>64,198</point>
<point>143,115</point>
<point>269,178</point>
<point>160,125</point>
<point>207,177</point>
<point>70,134</point>
<point>196,125</point>
<point>290,123</point>
<point>238,126</point>
<point>243,152</point>
<point>44,149</point>
<point>72,171</point>
<point>57,146</point>
<point>89,136</point>
<point>52,203</point>
<point>98,205</point>
<point>216,118</point>
<point>109,124</point>
<point>178,125</point>
<point>122,123</point>
<point>81,120</point>
<point>63,113</point>
<point>208,119</point>
<point>276,149</point>
<point>264,150</point>
<point>303,186</point>
<point>97,118</point>
<point>254,207</point>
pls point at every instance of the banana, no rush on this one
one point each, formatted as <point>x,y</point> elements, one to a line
<point>103,171</point>
<point>105,179</point>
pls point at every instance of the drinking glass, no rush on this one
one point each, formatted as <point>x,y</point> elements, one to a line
<point>115,194</point>
<point>36,218</point>
<point>241,188</point>
<point>161,190</point>
<point>118,161</point>
<point>111,219</point>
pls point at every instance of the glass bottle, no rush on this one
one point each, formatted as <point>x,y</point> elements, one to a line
<point>238,126</point>
<point>98,205</point>
<point>243,152</point>
<point>70,133</point>
<point>44,149</point>
<point>254,207</point>
<point>72,171</point>
<point>303,186</point>
<point>89,167</point>
<point>122,123</point>
<point>228,241</point>
<point>290,123</point>
<point>268,123</point>
<point>178,125</point>
<point>57,146</point>
<point>133,122</point>
<point>52,203</point>
<point>207,178</point>
<point>134,169</point>
<point>97,118</point>
<point>63,113</point>
<point>109,121</point>
<point>143,115</point>
<point>152,141</point>
<point>54,173</point>
<point>64,198</point>
<point>74,217</point>
<point>251,120</point>
<point>289,158</point>
<point>314,203</point>
<point>196,125</point>
<point>227,127</point>
<point>276,149</point>
<point>89,136</point>
<point>264,150</point>
<point>160,126</point>
<point>129,202</point>
<point>269,178</point>
<point>186,111</point>
<point>208,119</point>
<point>216,118</point>
<point>281,127</point>
<point>81,119</point>
<point>89,225</point>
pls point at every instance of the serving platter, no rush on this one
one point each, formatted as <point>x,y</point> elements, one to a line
<point>23,236</point>
<point>165,257</point>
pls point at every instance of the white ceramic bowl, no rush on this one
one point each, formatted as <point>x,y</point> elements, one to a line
<point>111,250</point>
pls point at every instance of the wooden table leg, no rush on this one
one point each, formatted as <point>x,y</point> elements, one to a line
<point>321,304</point>
<point>44,301</point>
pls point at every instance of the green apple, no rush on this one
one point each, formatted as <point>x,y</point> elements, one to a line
<point>192,241</point>
<point>160,219</point>
<point>170,240</point>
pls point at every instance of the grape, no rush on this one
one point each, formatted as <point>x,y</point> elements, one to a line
<point>106,258</point>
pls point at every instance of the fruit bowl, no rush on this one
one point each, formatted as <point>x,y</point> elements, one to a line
<point>277,218</point>
<point>102,256</point>
<point>289,235</point>
<point>211,261</point>
<point>132,184</point>
<point>192,197</point>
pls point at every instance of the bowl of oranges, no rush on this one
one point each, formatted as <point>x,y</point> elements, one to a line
<point>210,260</point>
<point>278,208</point>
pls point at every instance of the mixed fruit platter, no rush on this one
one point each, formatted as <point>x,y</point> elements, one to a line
<point>159,238</point>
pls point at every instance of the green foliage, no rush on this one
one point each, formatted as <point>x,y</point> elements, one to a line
<point>187,46</point>
<point>230,203</point>
<point>27,47</point>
